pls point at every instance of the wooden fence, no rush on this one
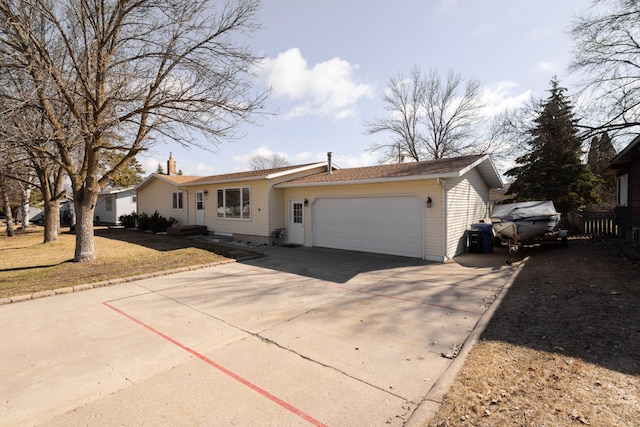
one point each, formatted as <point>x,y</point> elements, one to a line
<point>594,223</point>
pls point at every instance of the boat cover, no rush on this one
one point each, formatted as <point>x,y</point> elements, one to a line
<point>524,210</point>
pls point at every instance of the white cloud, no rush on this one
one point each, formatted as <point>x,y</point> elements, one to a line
<point>498,97</point>
<point>260,151</point>
<point>366,158</point>
<point>150,164</point>
<point>203,169</point>
<point>546,67</point>
<point>538,34</point>
<point>325,89</point>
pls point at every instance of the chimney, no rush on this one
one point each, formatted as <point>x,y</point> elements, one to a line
<point>329,166</point>
<point>171,165</point>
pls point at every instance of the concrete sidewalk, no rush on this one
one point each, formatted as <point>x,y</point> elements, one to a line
<point>301,336</point>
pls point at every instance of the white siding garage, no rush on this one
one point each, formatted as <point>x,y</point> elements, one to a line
<point>391,225</point>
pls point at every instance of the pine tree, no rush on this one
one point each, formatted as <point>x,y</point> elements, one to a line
<point>601,151</point>
<point>128,176</point>
<point>552,168</point>
<point>160,169</point>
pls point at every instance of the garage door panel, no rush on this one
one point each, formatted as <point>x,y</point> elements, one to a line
<point>389,225</point>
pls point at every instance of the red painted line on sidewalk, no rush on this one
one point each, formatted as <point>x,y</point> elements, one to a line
<point>222,369</point>
<point>413,301</point>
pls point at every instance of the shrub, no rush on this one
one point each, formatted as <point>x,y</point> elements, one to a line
<point>129,220</point>
<point>155,222</point>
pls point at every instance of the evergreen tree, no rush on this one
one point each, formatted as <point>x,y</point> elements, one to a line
<point>601,151</point>
<point>552,168</point>
<point>129,175</point>
<point>160,169</point>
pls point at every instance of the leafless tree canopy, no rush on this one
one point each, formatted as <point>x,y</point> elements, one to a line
<point>428,117</point>
<point>114,75</point>
<point>260,162</point>
<point>607,54</point>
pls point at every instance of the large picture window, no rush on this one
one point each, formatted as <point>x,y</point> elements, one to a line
<point>234,203</point>
<point>177,200</point>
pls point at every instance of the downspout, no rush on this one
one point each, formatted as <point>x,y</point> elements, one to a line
<point>445,236</point>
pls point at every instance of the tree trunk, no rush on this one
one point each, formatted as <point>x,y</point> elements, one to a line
<point>84,211</point>
<point>51,221</point>
<point>24,205</point>
<point>6,206</point>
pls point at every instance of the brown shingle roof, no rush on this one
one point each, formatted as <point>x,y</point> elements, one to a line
<point>248,174</point>
<point>235,176</point>
<point>400,170</point>
<point>179,179</point>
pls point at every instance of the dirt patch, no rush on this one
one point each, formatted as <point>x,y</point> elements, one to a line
<point>563,348</point>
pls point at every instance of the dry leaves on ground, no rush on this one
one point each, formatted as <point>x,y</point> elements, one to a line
<point>562,349</point>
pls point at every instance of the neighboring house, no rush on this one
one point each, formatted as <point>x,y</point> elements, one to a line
<point>112,203</point>
<point>626,166</point>
<point>66,214</point>
<point>419,209</point>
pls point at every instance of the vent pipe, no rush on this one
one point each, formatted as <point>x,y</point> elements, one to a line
<point>329,166</point>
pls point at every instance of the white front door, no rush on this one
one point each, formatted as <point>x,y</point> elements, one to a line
<point>296,222</point>
<point>200,207</point>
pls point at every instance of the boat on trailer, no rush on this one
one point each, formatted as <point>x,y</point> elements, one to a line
<point>515,223</point>
<point>524,221</point>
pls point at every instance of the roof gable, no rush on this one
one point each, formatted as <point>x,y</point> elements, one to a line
<point>626,155</point>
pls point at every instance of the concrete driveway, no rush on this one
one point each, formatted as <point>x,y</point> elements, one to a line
<point>302,336</point>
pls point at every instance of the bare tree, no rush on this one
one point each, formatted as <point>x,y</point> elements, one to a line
<point>428,117</point>
<point>119,74</point>
<point>261,162</point>
<point>6,205</point>
<point>27,137</point>
<point>607,54</point>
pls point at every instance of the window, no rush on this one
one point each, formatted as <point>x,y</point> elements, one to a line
<point>623,190</point>
<point>234,203</point>
<point>134,198</point>
<point>108,203</point>
<point>297,213</point>
<point>177,200</point>
<point>199,200</point>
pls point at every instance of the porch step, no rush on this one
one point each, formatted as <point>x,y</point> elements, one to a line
<point>187,230</point>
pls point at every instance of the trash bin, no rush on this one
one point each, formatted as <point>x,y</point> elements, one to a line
<point>487,236</point>
<point>474,240</point>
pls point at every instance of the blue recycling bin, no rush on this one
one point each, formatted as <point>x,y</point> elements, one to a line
<point>487,236</point>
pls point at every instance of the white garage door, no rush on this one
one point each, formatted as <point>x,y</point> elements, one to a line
<point>386,225</point>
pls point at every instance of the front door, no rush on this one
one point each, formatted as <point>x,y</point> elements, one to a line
<point>296,222</point>
<point>200,207</point>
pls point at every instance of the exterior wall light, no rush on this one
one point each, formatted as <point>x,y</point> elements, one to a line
<point>429,202</point>
<point>206,192</point>
<point>306,202</point>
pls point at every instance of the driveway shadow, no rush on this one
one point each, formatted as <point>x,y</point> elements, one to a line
<point>581,301</point>
<point>332,265</point>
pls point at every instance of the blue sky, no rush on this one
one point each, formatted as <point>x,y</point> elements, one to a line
<point>328,62</point>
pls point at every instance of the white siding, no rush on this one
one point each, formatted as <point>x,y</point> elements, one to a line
<point>467,202</point>
<point>157,196</point>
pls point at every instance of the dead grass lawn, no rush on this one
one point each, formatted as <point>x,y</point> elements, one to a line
<point>27,265</point>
